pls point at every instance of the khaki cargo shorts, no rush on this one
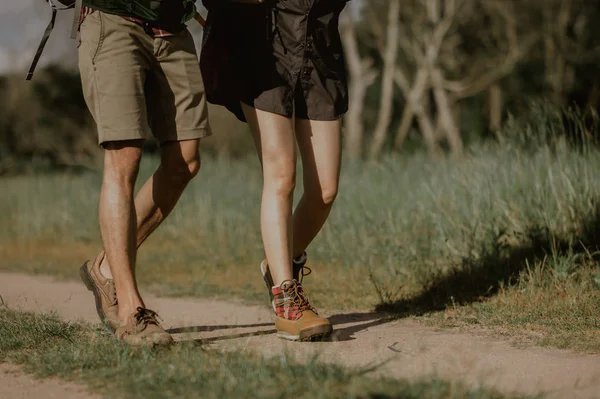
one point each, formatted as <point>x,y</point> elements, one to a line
<point>137,86</point>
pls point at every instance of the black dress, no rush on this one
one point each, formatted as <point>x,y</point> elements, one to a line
<point>279,57</point>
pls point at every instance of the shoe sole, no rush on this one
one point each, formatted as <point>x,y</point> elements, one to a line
<point>313,334</point>
<point>91,286</point>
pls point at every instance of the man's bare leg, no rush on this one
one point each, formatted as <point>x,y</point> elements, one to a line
<point>118,221</point>
<point>180,163</point>
<point>321,152</point>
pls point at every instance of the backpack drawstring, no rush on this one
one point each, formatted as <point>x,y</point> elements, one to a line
<point>274,20</point>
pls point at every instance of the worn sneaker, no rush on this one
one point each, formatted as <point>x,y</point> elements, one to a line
<point>299,271</point>
<point>297,320</point>
<point>142,328</point>
<point>103,289</point>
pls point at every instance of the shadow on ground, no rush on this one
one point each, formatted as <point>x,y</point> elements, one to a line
<point>358,322</point>
<point>196,329</point>
<point>500,264</point>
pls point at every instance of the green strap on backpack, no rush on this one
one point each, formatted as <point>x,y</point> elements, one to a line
<point>160,12</point>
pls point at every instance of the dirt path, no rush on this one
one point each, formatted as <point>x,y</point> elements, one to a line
<point>14,384</point>
<point>410,349</point>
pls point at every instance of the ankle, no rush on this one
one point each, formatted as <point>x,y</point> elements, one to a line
<point>126,311</point>
<point>105,269</point>
<point>279,280</point>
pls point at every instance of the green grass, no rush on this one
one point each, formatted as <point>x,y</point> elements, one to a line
<point>46,346</point>
<point>507,237</point>
<point>553,302</point>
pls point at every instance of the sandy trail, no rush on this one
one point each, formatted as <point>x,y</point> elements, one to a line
<point>361,339</point>
<point>16,385</point>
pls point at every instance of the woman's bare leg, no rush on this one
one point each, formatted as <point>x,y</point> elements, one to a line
<point>321,152</point>
<point>274,138</point>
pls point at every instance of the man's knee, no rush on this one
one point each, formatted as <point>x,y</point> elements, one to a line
<point>324,195</point>
<point>329,194</point>
<point>193,167</point>
<point>182,170</point>
<point>181,160</point>
<point>122,161</point>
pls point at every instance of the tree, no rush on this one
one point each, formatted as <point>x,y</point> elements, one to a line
<point>390,54</point>
<point>455,49</point>
<point>362,76</point>
<point>437,53</point>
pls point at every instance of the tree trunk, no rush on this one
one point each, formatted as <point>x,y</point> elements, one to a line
<point>496,107</point>
<point>412,99</point>
<point>408,116</point>
<point>444,108</point>
<point>570,78</point>
<point>428,132</point>
<point>389,70</point>
<point>457,114</point>
<point>361,77</point>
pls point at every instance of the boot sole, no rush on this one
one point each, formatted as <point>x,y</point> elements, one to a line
<point>88,281</point>
<point>313,334</point>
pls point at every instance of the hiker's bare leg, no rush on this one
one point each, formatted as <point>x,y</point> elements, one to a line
<point>118,220</point>
<point>321,151</point>
<point>180,162</point>
<point>274,138</point>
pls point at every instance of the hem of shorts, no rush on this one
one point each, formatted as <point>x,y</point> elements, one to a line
<point>269,110</point>
<point>188,134</point>
<point>115,136</point>
<point>336,117</point>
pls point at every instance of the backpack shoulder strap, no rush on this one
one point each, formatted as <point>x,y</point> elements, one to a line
<point>40,49</point>
<point>76,18</point>
<point>75,27</point>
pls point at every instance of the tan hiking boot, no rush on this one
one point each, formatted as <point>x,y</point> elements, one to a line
<point>297,320</point>
<point>299,271</point>
<point>142,328</point>
<point>103,289</point>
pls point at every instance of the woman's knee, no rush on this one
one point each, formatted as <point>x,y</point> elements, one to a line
<point>279,178</point>
<point>281,184</point>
